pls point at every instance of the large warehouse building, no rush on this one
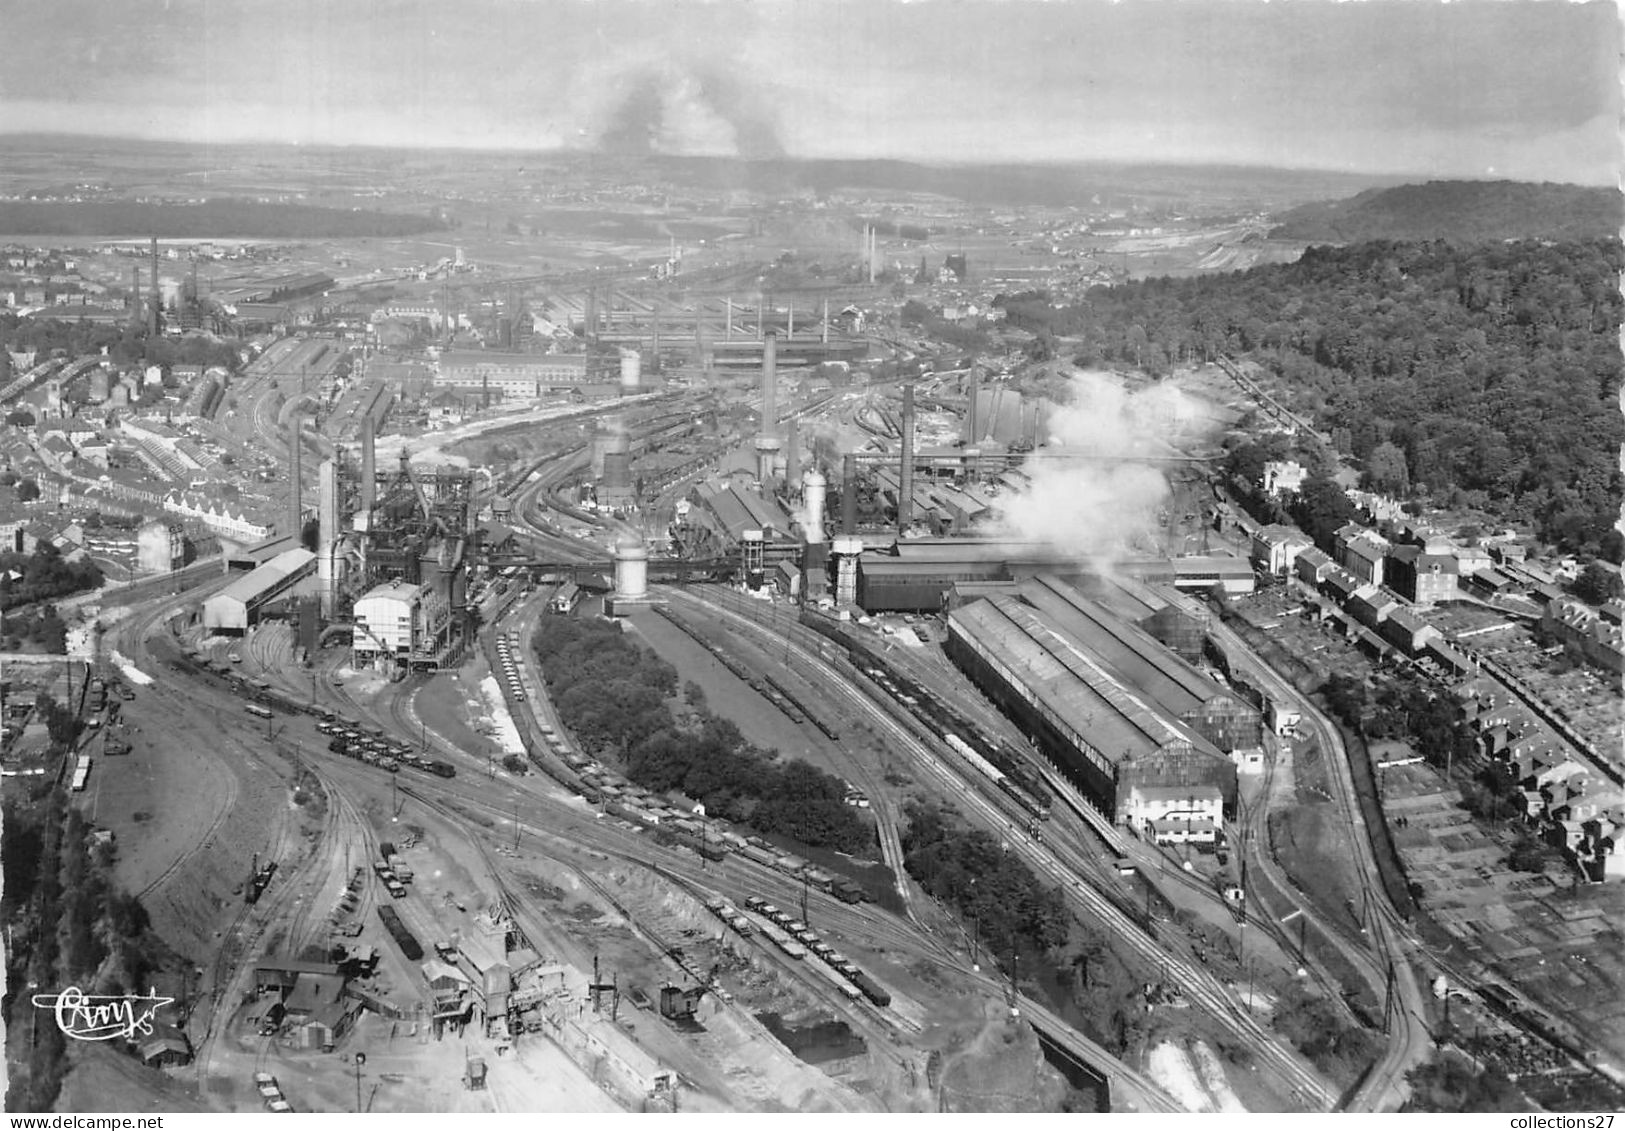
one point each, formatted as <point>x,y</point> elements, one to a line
<point>1140,661</point>
<point>236,608</point>
<point>918,573</point>
<point>510,376</point>
<point>1106,736</point>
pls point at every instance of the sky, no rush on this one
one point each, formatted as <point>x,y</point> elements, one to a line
<point>1525,89</point>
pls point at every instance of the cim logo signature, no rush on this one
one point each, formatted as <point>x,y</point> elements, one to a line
<point>98,1017</point>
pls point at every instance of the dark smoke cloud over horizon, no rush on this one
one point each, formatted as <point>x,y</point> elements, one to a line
<point>671,108</point>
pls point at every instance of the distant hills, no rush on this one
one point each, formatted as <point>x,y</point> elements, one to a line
<point>213,219</point>
<point>1460,212</point>
<point>1010,184</point>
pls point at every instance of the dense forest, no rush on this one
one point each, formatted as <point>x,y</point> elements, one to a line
<point>613,695</point>
<point>211,219</point>
<point>68,925</point>
<point>1461,212</point>
<point>1493,370</point>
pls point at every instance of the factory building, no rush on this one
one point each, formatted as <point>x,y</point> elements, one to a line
<point>236,608</point>
<point>1106,736</point>
<point>736,511</point>
<point>400,623</point>
<point>510,376</point>
<point>1139,661</point>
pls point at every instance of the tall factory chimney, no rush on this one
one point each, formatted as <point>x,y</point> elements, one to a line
<point>136,312</point>
<point>654,348</point>
<point>327,537</point>
<point>590,316</point>
<point>296,509</point>
<point>826,321</point>
<point>730,331</point>
<point>767,442</point>
<point>790,330</point>
<point>974,435</point>
<point>157,295</point>
<point>369,464</point>
<point>849,493</point>
<point>905,487</point>
<point>792,455</point>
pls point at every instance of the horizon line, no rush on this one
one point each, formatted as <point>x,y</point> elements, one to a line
<point>926,162</point>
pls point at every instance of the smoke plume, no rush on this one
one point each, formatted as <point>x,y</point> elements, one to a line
<point>634,125</point>
<point>1088,507</point>
<point>673,108</point>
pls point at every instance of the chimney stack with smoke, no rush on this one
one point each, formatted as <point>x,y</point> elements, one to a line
<point>905,479</point>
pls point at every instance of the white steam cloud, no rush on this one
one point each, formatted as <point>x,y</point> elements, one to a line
<point>1089,508</point>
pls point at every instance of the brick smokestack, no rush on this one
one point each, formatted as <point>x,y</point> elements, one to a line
<point>369,463</point>
<point>770,385</point>
<point>905,478</point>
<point>157,295</point>
<point>849,493</point>
<point>296,510</point>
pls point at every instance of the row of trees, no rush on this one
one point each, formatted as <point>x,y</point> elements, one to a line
<point>1494,370</point>
<point>613,695</point>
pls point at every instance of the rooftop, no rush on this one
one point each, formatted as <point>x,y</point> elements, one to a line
<point>1076,690</point>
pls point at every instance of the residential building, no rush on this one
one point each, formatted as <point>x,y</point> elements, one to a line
<point>1276,547</point>
<point>1362,552</point>
<point>1284,477</point>
<point>1420,577</point>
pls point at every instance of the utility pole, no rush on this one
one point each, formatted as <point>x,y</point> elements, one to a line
<point>360,1059</point>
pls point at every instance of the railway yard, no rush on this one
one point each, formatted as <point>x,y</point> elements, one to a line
<point>402,859</point>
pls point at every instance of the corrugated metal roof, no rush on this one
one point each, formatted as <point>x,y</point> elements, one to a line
<point>257,581</point>
<point>1079,692</point>
<point>1132,654</point>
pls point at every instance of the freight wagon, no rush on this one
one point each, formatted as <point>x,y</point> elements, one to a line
<point>871,989</point>
<point>407,941</point>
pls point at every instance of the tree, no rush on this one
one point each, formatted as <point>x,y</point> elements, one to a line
<point>1386,471</point>
<point>1321,509</point>
<point>1597,584</point>
<point>21,418</point>
<point>27,490</point>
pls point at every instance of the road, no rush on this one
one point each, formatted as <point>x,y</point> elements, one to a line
<point>1409,1041</point>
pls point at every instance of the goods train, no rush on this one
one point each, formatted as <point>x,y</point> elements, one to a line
<point>1001,763</point>
<point>766,686</point>
<point>796,940</point>
<point>265,701</point>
